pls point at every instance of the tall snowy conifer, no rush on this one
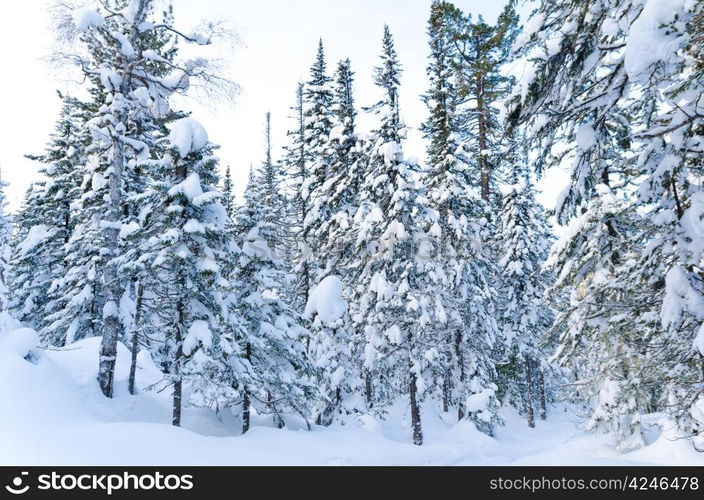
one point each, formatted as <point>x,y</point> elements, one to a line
<point>185,247</point>
<point>467,327</point>
<point>605,85</point>
<point>138,81</point>
<point>525,318</point>
<point>393,297</point>
<point>273,350</point>
<point>47,220</point>
<point>318,123</point>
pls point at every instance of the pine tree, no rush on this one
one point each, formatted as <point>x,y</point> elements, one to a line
<point>228,193</point>
<point>138,79</point>
<point>5,246</point>
<point>594,84</point>
<point>273,351</point>
<point>338,198</point>
<point>525,319</point>
<point>296,164</point>
<point>393,296</point>
<point>185,247</point>
<point>467,327</point>
<point>46,223</point>
<point>480,52</point>
<point>335,343</point>
<point>318,123</point>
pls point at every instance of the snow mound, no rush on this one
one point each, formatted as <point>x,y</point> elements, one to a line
<point>19,343</point>
<point>188,136</point>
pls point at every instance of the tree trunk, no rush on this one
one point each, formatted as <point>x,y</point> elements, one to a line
<point>176,419</point>
<point>246,403</point>
<point>446,392</point>
<point>460,363</point>
<point>113,286</point>
<point>484,167</point>
<point>543,398</point>
<point>528,392</point>
<point>415,412</point>
<point>368,388</point>
<point>135,339</point>
<point>277,416</point>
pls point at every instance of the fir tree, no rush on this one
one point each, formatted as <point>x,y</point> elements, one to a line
<point>47,222</point>
<point>296,163</point>
<point>138,79</point>
<point>228,193</point>
<point>5,246</point>
<point>467,327</point>
<point>525,319</point>
<point>186,246</point>
<point>393,294</point>
<point>592,84</point>
<point>318,123</point>
<point>273,350</point>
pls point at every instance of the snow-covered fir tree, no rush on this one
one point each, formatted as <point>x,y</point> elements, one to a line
<point>333,352</point>
<point>296,164</point>
<point>525,318</point>
<point>595,77</point>
<point>185,245</point>
<point>228,192</point>
<point>5,246</point>
<point>279,375</point>
<point>467,327</point>
<point>335,343</point>
<point>45,226</point>
<point>393,295</point>
<point>338,197</point>
<point>318,123</point>
<point>138,79</point>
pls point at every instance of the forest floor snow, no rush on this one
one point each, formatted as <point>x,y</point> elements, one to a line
<point>52,413</point>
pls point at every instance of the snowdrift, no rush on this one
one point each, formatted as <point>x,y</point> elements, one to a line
<point>52,413</point>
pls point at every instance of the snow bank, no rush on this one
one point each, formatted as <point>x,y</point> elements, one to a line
<point>53,413</point>
<point>326,303</point>
<point>188,136</point>
<point>20,343</point>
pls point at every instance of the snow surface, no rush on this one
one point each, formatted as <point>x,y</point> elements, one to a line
<point>54,413</point>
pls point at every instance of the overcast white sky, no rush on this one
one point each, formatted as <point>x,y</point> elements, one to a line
<point>278,44</point>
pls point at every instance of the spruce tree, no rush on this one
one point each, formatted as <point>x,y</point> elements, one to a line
<point>5,246</point>
<point>273,349</point>
<point>47,219</point>
<point>137,79</point>
<point>592,84</point>
<point>525,318</point>
<point>185,248</point>
<point>393,296</point>
<point>318,123</point>
<point>467,327</point>
<point>228,193</point>
<point>296,164</point>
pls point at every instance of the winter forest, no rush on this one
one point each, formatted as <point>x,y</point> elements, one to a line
<point>365,299</point>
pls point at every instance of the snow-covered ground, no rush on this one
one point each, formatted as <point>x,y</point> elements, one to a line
<point>52,413</point>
